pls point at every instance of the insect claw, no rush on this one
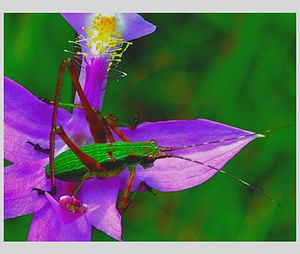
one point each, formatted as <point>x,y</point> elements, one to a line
<point>45,100</point>
<point>38,148</point>
<point>151,190</point>
<point>53,191</point>
<point>39,191</point>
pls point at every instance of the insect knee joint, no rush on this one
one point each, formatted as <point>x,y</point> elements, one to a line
<point>57,129</point>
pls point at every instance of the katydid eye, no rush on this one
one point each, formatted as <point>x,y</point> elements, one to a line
<point>150,158</point>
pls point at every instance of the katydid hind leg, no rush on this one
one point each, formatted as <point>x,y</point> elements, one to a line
<point>90,163</point>
<point>53,124</point>
<point>96,124</point>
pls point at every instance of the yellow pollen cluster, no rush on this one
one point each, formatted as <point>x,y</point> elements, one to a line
<point>73,208</point>
<point>103,37</point>
<point>102,34</point>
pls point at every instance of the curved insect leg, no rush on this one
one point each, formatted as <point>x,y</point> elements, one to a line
<point>111,122</point>
<point>86,176</point>
<point>97,124</point>
<point>98,127</point>
<point>137,190</point>
<point>135,121</point>
<point>90,163</point>
<point>125,196</point>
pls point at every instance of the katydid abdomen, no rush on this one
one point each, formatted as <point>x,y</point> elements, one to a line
<point>115,157</point>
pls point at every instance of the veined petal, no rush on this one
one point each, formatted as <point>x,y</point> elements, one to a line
<point>47,226</point>
<point>103,193</point>
<point>26,118</point>
<point>173,174</point>
<point>19,179</point>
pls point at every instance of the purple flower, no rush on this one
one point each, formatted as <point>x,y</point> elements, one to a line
<point>26,119</point>
<point>62,218</point>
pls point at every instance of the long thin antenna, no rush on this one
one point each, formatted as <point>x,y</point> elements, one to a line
<point>222,171</point>
<point>258,135</point>
<point>168,149</point>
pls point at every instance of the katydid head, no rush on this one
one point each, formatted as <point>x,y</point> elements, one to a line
<point>152,152</point>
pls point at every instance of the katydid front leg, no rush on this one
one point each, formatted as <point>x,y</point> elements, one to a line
<point>111,122</point>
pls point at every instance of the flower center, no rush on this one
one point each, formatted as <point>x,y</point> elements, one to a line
<point>72,205</point>
<point>104,37</point>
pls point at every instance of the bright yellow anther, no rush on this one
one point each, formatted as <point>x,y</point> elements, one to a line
<point>103,37</point>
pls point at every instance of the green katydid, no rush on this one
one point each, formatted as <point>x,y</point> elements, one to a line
<point>104,159</point>
<point>100,127</point>
<point>112,158</point>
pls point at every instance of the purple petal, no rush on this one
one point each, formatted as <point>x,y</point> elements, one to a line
<point>26,118</point>
<point>79,20</point>
<point>172,174</point>
<point>131,25</point>
<point>135,26</point>
<point>103,193</point>
<point>47,226</point>
<point>19,178</point>
<point>94,84</point>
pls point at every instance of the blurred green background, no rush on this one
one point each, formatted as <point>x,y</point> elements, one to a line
<point>238,69</point>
